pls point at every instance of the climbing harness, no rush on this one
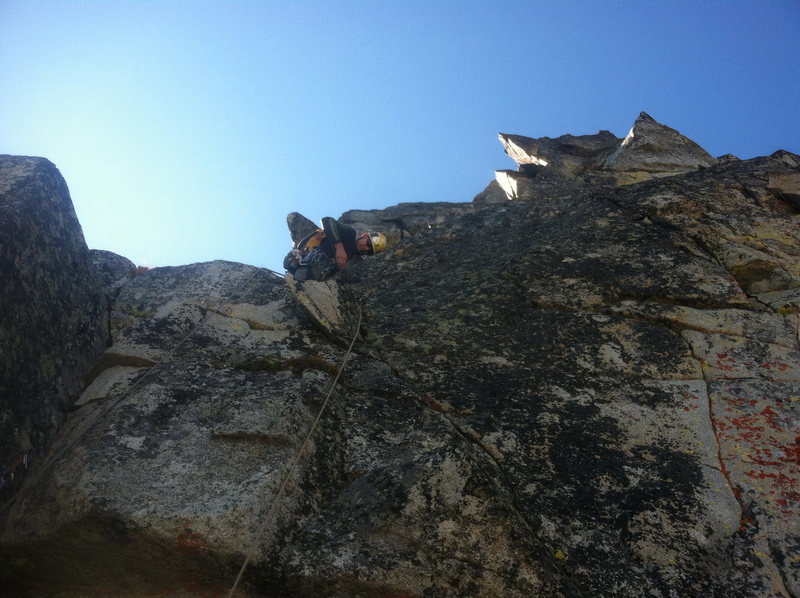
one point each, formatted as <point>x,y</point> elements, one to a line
<point>82,430</point>
<point>287,476</point>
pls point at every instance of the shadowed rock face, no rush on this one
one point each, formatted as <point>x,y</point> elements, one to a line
<point>52,314</point>
<point>590,394</point>
<point>113,271</point>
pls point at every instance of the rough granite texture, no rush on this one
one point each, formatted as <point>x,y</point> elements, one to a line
<point>53,320</point>
<point>590,394</point>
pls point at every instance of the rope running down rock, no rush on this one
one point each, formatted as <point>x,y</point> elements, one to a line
<point>292,467</point>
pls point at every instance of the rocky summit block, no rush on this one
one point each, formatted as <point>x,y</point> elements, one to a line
<point>649,150</point>
<point>653,150</point>
<point>588,394</point>
<point>53,319</point>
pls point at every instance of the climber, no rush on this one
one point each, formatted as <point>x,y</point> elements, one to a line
<point>323,252</point>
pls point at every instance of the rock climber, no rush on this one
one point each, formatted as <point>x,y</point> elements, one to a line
<point>325,251</point>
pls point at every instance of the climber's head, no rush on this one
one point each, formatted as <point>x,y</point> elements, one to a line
<point>371,243</point>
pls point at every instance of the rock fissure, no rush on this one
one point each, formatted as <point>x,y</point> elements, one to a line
<point>735,490</point>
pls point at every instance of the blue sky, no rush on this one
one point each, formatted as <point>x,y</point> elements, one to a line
<point>187,130</point>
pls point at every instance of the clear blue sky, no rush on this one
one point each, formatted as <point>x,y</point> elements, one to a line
<point>187,130</point>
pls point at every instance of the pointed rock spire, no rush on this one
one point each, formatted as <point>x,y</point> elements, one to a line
<point>652,150</point>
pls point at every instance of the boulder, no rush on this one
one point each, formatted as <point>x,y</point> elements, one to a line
<point>53,319</point>
<point>335,315</point>
<point>177,441</point>
<point>532,182</point>
<point>786,185</point>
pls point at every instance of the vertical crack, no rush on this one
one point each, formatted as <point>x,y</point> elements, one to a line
<point>736,490</point>
<point>750,517</point>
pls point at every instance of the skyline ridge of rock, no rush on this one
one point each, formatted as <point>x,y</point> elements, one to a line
<point>649,150</point>
<point>590,390</point>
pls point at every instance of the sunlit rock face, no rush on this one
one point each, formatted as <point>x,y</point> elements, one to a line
<point>52,313</point>
<point>585,393</point>
<point>650,150</point>
<point>569,155</point>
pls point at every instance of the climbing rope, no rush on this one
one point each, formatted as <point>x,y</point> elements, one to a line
<point>287,476</point>
<point>82,430</point>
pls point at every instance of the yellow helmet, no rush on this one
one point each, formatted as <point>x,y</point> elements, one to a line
<point>377,241</point>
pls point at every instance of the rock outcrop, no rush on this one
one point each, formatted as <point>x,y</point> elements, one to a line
<point>53,320</point>
<point>650,150</point>
<point>585,394</point>
<point>113,270</point>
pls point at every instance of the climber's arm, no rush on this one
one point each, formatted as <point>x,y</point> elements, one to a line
<point>331,228</point>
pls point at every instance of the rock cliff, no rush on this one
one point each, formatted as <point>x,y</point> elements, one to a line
<point>53,322</point>
<point>593,391</point>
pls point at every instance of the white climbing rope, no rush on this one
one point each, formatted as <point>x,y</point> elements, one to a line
<point>287,476</point>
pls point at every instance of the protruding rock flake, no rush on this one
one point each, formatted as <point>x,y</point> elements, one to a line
<point>590,390</point>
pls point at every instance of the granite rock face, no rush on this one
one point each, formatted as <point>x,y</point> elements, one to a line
<point>588,394</point>
<point>405,219</point>
<point>53,321</point>
<point>650,150</point>
<point>569,155</point>
<point>113,270</point>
